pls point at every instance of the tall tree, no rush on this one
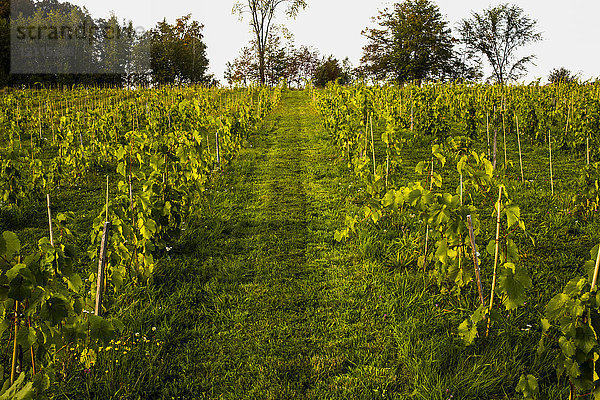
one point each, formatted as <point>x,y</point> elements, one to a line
<point>498,33</point>
<point>245,68</point>
<point>302,64</point>
<point>262,13</point>
<point>412,42</point>
<point>562,74</point>
<point>178,52</point>
<point>330,70</point>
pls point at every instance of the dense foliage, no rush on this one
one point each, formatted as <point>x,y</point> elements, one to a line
<point>161,148</point>
<point>476,222</point>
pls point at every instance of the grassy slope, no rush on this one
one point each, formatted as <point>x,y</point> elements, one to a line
<point>258,301</point>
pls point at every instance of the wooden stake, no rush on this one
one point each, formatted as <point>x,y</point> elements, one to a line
<point>218,149</point>
<point>520,153</point>
<point>101,267</point>
<point>496,253</point>
<point>495,146</point>
<point>427,225</point>
<point>587,149</point>
<point>595,277</point>
<point>475,259</point>
<point>50,220</point>
<point>107,191</point>
<point>551,172</point>
<point>14,357</point>
<point>387,168</point>
<point>412,109</point>
<point>504,132</point>
<point>31,349</point>
<point>461,189</point>
<point>487,117</point>
<point>373,146</point>
<point>366,137</point>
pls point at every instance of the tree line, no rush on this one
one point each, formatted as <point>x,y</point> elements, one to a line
<point>410,41</point>
<point>96,51</point>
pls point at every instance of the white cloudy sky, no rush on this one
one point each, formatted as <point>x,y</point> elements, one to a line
<point>571,29</point>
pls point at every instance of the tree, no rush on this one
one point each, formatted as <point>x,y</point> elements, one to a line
<point>178,53</point>
<point>497,33</point>
<point>562,74</point>
<point>282,61</point>
<point>262,13</point>
<point>302,64</point>
<point>412,42</point>
<point>245,68</point>
<point>330,71</point>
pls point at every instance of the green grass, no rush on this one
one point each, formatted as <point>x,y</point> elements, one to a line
<point>257,301</point>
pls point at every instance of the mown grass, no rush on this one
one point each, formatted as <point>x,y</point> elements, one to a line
<point>257,301</point>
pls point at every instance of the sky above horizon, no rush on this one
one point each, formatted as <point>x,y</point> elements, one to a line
<point>570,30</point>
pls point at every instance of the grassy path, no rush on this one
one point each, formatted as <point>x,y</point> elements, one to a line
<point>279,328</point>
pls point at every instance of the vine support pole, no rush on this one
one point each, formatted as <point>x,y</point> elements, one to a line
<point>504,133</point>
<point>520,153</point>
<point>218,149</point>
<point>101,268</point>
<point>14,356</point>
<point>595,277</point>
<point>461,189</point>
<point>487,117</point>
<point>31,349</point>
<point>496,253</point>
<point>495,146</point>
<point>50,220</point>
<point>373,146</point>
<point>587,149</point>
<point>427,225</point>
<point>366,137</point>
<point>551,172</point>
<point>475,259</point>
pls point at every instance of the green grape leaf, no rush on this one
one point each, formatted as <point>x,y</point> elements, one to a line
<point>389,199</point>
<point>116,279</point>
<point>545,325</point>
<point>118,324</point>
<point>100,329</point>
<point>528,386</point>
<point>575,287</point>
<point>9,245</point>
<point>513,214</point>
<point>4,325</point>
<point>572,368</point>
<point>41,381</point>
<point>513,281</point>
<point>54,310</point>
<point>491,247</point>
<point>78,306</point>
<point>26,337</point>
<point>122,169</point>
<point>512,251</point>
<point>3,247</point>
<point>341,235</point>
<point>17,391</point>
<point>585,339</point>
<point>467,331</point>
<point>74,282</point>
<point>567,346</point>
<point>20,286</point>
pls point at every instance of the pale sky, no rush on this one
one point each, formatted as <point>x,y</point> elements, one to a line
<point>571,29</point>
